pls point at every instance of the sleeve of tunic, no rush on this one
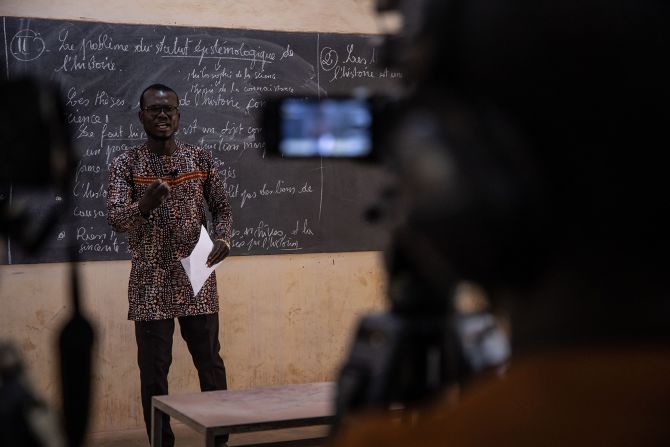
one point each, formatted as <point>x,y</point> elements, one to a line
<point>123,214</point>
<point>217,201</point>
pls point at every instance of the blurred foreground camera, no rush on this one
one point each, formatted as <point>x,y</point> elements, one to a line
<point>33,125</point>
<point>37,157</point>
<point>331,127</point>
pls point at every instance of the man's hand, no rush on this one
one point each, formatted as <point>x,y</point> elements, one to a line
<point>219,252</point>
<point>154,196</point>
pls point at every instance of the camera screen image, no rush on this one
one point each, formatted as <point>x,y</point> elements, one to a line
<point>333,127</point>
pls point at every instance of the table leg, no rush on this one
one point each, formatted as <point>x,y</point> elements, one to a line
<point>210,440</point>
<point>156,427</point>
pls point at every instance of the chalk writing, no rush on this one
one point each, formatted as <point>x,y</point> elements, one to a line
<point>92,241</point>
<point>91,213</point>
<point>358,64</point>
<point>288,52</point>
<point>178,47</point>
<point>86,168</point>
<point>328,59</point>
<point>75,63</point>
<point>63,44</point>
<point>27,45</point>
<point>89,190</point>
<point>226,50</point>
<point>142,47</point>
<point>102,98</point>
<point>302,228</point>
<point>266,237</point>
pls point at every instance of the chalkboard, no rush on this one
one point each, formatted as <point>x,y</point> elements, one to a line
<point>221,76</point>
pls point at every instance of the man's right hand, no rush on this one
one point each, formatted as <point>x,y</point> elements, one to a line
<point>154,196</point>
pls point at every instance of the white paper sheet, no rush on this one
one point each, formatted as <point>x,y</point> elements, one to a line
<point>195,265</point>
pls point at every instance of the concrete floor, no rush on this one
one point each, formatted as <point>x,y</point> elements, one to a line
<point>187,437</point>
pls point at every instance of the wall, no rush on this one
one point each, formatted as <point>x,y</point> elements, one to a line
<point>284,319</point>
<point>344,16</point>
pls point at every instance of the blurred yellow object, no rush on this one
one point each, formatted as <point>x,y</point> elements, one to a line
<point>602,396</point>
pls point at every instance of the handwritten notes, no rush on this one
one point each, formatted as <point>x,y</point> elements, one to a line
<point>195,265</point>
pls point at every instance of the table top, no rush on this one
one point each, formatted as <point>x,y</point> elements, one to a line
<point>252,409</point>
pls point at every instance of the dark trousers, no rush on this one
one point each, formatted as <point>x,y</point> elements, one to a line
<point>154,356</point>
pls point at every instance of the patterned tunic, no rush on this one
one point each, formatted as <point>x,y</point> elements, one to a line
<point>158,286</point>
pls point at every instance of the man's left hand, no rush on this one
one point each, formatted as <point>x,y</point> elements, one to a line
<point>219,252</point>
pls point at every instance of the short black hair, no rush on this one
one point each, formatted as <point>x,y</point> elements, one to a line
<point>162,87</point>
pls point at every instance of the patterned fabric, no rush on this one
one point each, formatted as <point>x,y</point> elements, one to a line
<point>158,286</point>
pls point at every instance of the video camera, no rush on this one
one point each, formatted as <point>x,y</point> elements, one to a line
<point>526,147</point>
<point>427,341</point>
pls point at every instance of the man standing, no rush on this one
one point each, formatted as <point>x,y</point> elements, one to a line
<point>157,194</point>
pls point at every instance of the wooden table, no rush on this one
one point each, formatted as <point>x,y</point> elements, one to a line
<point>215,413</point>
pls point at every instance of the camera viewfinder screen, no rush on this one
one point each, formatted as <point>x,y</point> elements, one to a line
<point>327,128</point>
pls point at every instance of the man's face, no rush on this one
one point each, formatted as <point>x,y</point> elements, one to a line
<point>159,115</point>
